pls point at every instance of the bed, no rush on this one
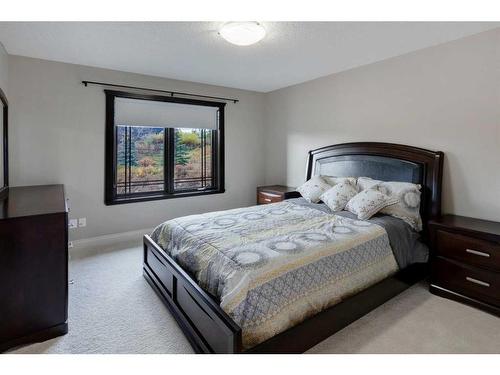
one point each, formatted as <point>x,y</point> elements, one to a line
<point>233,309</point>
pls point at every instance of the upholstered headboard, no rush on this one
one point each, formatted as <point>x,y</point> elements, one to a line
<point>387,162</point>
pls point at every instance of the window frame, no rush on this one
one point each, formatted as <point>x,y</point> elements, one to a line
<point>110,196</point>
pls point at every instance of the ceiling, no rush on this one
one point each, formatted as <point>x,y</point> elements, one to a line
<point>292,52</point>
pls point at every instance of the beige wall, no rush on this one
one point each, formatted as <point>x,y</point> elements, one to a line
<point>57,136</point>
<point>4,74</point>
<point>442,98</point>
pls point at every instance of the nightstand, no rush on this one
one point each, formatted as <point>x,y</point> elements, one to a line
<point>275,193</point>
<point>466,262</point>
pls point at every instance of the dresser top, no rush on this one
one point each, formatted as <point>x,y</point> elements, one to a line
<point>32,200</point>
<point>468,224</point>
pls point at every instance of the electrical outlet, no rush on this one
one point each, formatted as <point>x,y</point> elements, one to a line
<point>70,244</point>
<point>73,223</point>
<point>82,222</point>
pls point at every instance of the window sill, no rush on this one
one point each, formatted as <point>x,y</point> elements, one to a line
<point>155,197</point>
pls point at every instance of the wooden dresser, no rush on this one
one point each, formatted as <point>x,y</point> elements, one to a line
<point>466,263</point>
<point>275,193</point>
<point>33,265</point>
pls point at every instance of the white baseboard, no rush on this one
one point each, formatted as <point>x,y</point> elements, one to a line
<point>108,241</point>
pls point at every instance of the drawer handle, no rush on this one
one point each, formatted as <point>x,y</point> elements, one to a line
<point>270,194</point>
<point>475,252</point>
<point>267,200</point>
<point>476,281</point>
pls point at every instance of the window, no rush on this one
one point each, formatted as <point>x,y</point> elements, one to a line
<point>162,147</point>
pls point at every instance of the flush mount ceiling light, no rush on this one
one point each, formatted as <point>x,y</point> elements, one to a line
<point>242,33</point>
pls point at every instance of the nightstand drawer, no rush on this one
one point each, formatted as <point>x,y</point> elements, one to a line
<point>469,250</point>
<point>469,281</point>
<point>265,197</point>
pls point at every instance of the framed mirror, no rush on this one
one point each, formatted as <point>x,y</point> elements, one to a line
<point>4,154</point>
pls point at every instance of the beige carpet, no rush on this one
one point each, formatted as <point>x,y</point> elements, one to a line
<point>113,310</point>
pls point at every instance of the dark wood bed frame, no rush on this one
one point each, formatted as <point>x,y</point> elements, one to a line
<point>210,330</point>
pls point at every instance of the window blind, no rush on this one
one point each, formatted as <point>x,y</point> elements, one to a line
<point>136,112</point>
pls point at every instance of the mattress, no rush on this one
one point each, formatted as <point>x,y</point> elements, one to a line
<point>273,266</point>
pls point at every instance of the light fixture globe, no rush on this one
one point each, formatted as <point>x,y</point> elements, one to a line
<point>242,33</point>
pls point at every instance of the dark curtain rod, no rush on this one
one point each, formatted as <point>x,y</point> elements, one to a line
<point>172,93</point>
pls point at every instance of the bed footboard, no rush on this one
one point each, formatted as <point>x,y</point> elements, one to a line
<point>208,328</point>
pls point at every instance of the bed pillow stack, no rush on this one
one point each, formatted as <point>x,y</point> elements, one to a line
<point>365,197</point>
<point>407,194</point>
<point>315,189</point>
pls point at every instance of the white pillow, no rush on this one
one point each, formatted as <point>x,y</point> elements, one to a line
<point>337,197</point>
<point>407,194</point>
<point>368,202</point>
<point>313,189</point>
<point>364,183</point>
<point>332,180</point>
<point>408,206</point>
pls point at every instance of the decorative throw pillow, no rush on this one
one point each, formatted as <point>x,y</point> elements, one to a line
<point>408,206</point>
<point>364,183</point>
<point>332,180</point>
<point>337,197</point>
<point>312,189</point>
<point>368,202</point>
<point>408,195</point>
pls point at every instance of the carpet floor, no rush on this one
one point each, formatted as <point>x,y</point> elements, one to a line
<point>113,310</point>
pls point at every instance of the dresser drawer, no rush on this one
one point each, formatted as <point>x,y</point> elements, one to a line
<point>470,281</point>
<point>265,197</point>
<point>469,250</point>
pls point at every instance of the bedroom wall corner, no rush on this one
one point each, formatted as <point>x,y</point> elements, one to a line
<point>4,69</point>
<point>445,97</point>
<point>57,136</point>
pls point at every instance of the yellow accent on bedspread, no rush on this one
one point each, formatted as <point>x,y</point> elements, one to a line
<point>273,266</point>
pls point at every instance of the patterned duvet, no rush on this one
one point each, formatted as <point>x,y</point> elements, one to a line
<point>272,266</point>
